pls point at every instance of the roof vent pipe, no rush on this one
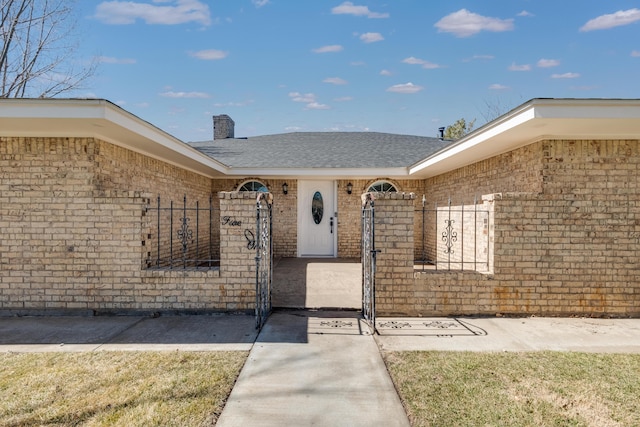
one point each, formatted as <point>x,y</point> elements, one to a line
<point>441,131</point>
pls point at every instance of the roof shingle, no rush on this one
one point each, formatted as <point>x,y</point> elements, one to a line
<point>322,150</point>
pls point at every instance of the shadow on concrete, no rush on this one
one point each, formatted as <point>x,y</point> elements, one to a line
<point>128,330</point>
<point>329,283</point>
<point>295,326</point>
<point>438,327</point>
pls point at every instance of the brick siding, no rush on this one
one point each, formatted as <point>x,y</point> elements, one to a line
<point>74,236</point>
<point>567,233</point>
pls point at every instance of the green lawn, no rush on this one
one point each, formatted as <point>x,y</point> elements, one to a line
<point>116,388</point>
<point>517,389</point>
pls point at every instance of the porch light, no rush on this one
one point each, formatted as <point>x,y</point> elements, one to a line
<point>349,188</point>
<point>285,188</point>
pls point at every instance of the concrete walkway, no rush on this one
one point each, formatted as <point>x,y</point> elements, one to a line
<point>222,332</point>
<point>317,283</point>
<point>314,369</point>
<point>510,334</point>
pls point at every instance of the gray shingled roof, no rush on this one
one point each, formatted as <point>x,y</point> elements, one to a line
<point>322,150</point>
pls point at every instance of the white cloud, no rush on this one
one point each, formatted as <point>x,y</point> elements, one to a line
<point>178,12</point>
<point>172,94</point>
<point>480,57</point>
<point>293,128</point>
<point>348,8</point>
<point>547,63</point>
<point>413,60</point>
<point>112,60</point>
<point>635,53</point>
<point>516,67</point>
<point>565,76</point>
<point>335,81</point>
<point>329,48</point>
<point>344,99</point>
<point>371,37</point>
<point>316,106</point>
<point>309,99</point>
<point>417,61</point>
<point>209,54</point>
<point>299,97</point>
<point>233,104</point>
<point>357,63</point>
<point>405,88</point>
<point>259,3</point>
<point>618,19</point>
<point>497,86</point>
<point>525,13</point>
<point>430,65</point>
<point>464,24</point>
<point>385,73</point>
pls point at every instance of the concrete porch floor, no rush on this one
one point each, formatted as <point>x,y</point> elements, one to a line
<point>317,283</point>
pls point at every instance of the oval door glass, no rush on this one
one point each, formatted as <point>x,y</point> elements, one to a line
<point>317,207</point>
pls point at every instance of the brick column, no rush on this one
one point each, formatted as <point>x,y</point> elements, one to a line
<point>394,218</point>
<point>237,248</point>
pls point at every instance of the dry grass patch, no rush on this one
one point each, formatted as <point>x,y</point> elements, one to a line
<point>523,389</point>
<point>116,388</point>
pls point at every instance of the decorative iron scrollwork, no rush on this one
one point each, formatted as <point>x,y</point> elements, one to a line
<point>185,234</point>
<point>449,236</point>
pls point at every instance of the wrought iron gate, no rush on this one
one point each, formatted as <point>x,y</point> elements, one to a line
<point>369,253</point>
<point>264,258</point>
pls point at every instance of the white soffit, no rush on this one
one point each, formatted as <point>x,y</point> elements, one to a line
<point>534,121</point>
<point>84,118</point>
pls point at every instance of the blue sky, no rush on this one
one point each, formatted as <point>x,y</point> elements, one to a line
<point>399,66</point>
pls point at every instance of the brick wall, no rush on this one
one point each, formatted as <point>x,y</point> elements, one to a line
<point>73,232</point>
<point>394,218</point>
<point>349,211</point>
<point>285,211</point>
<point>566,234</point>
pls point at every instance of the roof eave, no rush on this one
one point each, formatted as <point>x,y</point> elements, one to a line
<point>101,119</point>
<point>535,120</point>
<point>322,173</point>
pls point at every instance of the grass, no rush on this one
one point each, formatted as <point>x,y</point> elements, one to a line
<point>523,389</point>
<point>116,388</point>
<point>437,388</point>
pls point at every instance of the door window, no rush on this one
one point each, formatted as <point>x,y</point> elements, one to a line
<point>317,207</point>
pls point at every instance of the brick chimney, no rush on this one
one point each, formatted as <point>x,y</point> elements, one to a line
<point>223,127</point>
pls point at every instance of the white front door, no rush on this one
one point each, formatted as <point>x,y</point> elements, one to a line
<point>317,222</point>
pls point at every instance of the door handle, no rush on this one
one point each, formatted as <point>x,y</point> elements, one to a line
<point>331,224</point>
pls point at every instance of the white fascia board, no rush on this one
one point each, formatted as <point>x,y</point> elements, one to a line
<point>336,173</point>
<point>72,109</point>
<point>104,120</point>
<point>476,139</point>
<point>146,130</point>
<point>606,109</point>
